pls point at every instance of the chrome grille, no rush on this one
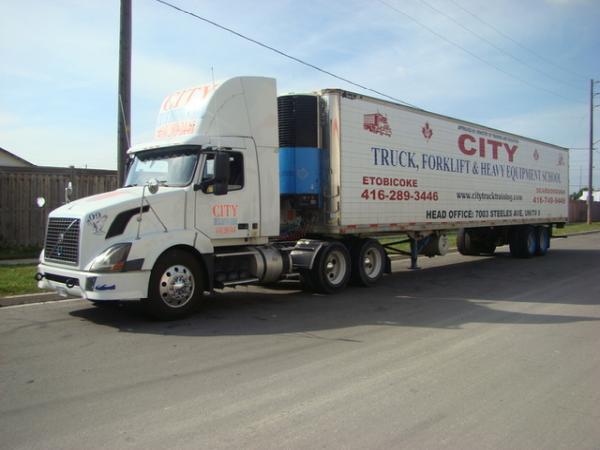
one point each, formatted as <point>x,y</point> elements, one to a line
<point>62,240</point>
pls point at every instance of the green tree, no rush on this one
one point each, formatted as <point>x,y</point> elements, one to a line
<point>578,194</point>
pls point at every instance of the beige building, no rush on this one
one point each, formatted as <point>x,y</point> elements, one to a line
<point>11,160</point>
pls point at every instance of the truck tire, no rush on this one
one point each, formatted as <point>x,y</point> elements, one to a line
<point>523,241</point>
<point>176,286</point>
<point>331,270</point>
<point>464,243</point>
<point>475,242</point>
<point>368,262</point>
<point>487,248</point>
<point>542,241</point>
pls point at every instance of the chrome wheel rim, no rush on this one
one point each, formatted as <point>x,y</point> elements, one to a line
<point>176,286</point>
<point>372,262</point>
<point>335,267</point>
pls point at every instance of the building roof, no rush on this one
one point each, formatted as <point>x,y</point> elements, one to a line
<point>15,157</point>
<point>595,196</point>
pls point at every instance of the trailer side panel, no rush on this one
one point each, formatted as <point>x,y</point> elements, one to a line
<point>411,169</point>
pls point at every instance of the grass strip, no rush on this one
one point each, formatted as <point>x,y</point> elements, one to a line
<point>18,279</point>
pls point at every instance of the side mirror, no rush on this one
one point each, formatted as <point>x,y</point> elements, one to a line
<point>153,185</point>
<point>221,178</point>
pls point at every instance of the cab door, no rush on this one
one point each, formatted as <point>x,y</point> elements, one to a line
<point>236,214</point>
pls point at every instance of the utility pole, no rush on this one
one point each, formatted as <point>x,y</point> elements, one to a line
<point>592,143</point>
<point>124,96</point>
<point>590,173</point>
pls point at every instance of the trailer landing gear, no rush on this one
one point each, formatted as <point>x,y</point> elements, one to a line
<point>431,244</point>
<point>414,253</point>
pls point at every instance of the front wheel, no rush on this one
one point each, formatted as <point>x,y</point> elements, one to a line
<point>176,286</point>
<point>331,270</point>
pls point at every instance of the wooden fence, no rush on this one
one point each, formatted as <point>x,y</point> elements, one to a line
<point>22,222</point>
<point>578,211</point>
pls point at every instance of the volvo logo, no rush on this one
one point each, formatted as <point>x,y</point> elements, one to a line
<point>59,245</point>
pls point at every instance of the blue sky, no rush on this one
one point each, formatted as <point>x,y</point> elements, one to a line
<point>521,66</point>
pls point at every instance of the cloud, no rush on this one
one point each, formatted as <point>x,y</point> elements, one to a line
<point>7,119</point>
<point>556,125</point>
<point>569,2</point>
<point>567,126</point>
<point>60,85</point>
<point>57,146</point>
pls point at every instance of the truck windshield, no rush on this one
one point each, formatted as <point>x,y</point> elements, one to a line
<point>170,168</point>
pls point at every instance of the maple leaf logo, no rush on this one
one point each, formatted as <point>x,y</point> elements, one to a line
<point>536,154</point>
<point>427,131</point>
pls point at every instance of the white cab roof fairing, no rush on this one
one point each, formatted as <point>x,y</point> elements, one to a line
<point>240,107</point>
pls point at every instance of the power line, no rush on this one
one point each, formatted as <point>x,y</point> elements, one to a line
<point>282,53</point>
<point>500,49</point>
<point>474,55</point>
<point>506,36</point>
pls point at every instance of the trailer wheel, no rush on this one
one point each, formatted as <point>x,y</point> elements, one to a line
<point>474,242</point>
<point>523,241</point>
<point>331,270</point>
<point>176,286</point>
<point>464,243</point>
<point>543,241</point>
<point>488,248</point>
<point>368,262</point>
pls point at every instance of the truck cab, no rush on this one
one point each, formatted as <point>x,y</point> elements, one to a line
<point>196,212</point>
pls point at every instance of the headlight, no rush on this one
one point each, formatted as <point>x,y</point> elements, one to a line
<point>112,259</point>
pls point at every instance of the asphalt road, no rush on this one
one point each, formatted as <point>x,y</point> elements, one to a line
<point>475,353</point>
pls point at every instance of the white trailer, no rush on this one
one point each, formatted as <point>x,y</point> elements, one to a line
<point>242,187</point>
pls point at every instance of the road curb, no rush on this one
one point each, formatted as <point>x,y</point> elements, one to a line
<point>18,262</point>
<point>581,233</point>
<point>25,299</point>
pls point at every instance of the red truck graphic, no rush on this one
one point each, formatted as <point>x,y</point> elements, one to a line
<point>377,123</point>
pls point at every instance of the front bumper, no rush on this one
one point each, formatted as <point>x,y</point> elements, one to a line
<point>94,286</point>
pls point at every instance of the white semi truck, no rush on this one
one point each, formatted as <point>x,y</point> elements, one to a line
<point>242,187</point>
